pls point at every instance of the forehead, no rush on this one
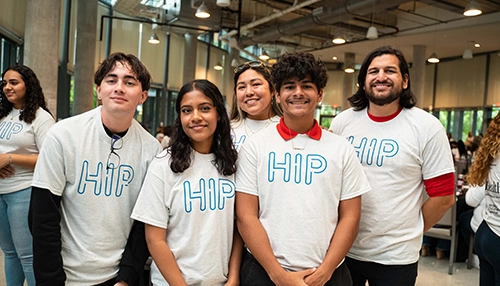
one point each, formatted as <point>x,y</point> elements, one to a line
<point>386,60</point>
<point>250,74</point>
<point>195,97</point>
<point>11,74</point>
<point>295,79</point>
<point>120,67</point>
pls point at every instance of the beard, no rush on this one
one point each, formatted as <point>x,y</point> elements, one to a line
<point>383,100</point>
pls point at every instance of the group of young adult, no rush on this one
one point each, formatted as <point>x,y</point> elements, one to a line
<point>261,197</point>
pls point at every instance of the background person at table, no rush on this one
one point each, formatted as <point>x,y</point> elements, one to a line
<point>86,182</point>
<point>187,199</point>
<point>404,151</point>
<point>24,122</point>
<point>254,104</point>
<point>298,188</point>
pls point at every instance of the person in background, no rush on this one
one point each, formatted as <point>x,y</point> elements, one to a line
<point>404,151</point>
<point>486,171</point>
<point>298,188</point>
<point>86,182</point>
<point>187,199</point>
<point>167,131</point>
<point>24,122</point>
<point>254,104</point>
<point>469,221</point>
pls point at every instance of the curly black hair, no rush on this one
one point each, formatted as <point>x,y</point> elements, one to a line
<point>299,65</point>
<point>136,66</point>
<point>360,101</point>
<point>33,98</point>
<point>181,146</point>
<point>236,113</point>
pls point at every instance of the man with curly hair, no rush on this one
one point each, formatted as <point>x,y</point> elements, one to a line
<point>404,151</point>
<point>298,188</point>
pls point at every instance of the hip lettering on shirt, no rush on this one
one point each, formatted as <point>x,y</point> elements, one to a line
<point>107,182</point>
<point>7,129</point>
<point>493,189</point>
<point>301,169</point>
<point>237,142</point>
<point>374,150</point>
<point>213,192</point>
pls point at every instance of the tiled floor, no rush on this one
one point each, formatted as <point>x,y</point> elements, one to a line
<point>431,272</point>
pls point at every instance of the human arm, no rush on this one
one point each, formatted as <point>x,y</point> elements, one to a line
<point>255,237</point>
<point>134,256</point>
<point>44,218</point>
<point>21,160</point>
<point>441,197</point>
<point>342,240</point>
<point>235,259</point>
<point>475,195</point>
<point>163,256</point>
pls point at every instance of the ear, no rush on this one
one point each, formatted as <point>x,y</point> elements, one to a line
<point>278,98</point>
<point>405,81</point>
<point>320,95</point>
<point>98,91</point>
<point>144,96</point>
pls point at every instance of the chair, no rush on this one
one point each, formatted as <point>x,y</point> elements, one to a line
<point>471,248</point>
<point>446,228</point>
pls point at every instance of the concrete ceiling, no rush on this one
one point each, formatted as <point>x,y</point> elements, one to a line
<point>310,25</point>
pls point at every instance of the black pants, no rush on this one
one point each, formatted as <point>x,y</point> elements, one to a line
<point>253,274</point>
<point>381,275</point>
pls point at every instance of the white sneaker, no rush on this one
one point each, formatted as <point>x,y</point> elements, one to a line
<point>475,261</point>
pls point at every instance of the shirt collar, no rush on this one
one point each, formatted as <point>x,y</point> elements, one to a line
<point>287,133</point>
<point>384,118</point>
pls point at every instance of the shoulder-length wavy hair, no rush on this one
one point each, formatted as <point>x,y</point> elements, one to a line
<point>237,114</point>
<point>360,101</point>
<point>488,151</point>
<point>181,146</point>
<point>33,99</point>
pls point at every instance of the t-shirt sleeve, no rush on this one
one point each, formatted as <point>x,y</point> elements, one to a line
<point>354,181</point>
<point>436,154</point>
<point>49,170</point>
<point>246,175</point>
<point>150,206</point>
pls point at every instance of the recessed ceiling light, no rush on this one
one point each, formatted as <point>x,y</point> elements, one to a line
<point>477,45</point>
<point>334,58</point>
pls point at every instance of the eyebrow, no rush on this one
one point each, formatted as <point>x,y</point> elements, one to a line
<point>251,80</point>
<point>126,76</point>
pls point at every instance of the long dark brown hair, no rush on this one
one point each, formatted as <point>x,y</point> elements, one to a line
<point>33,99</point>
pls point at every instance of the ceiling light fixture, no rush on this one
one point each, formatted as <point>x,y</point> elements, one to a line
<point>235,63</point>
<point>223,3</point>
<point>218,66</point>
<point>264,56</point>
<point>372,32</point>
<point>349,70</point>
<point>467,55</point>
<point>472,9</point>
<point>338,40</point>
<point>433,59</point>
<point>202,11</point>
<point>154,39</point>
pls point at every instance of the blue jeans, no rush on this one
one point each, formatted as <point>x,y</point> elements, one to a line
<point>487,247</point>
<point>15,238</point>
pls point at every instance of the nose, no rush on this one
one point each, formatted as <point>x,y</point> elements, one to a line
<point>120,87</point>
<point>196,115</point>
<point>381,75</point>
<point>249,91</point>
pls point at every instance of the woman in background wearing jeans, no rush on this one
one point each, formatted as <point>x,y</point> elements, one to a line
<point>24,121</point>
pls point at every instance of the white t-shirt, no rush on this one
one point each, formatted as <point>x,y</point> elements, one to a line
<point>397,156</point>
<point>96,204</point>
<point>474,197</point>
<point>299,191</point>
<point>19,137</point>
<point>247,127</point>
<point>491,213</point>
<point>196,207</point>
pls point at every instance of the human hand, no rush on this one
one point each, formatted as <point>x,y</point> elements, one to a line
<point>7,172</point>
<point>4,160</point>
<point>294,278</point>
<point>121,283</point>
<point>318,278</point>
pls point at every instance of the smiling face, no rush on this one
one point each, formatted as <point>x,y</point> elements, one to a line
<point>298,98</point>
<point>14,88</point>
<point>199,118</point>
<point>120,92</point>
<point>254,95</point>
<point>384,82</point>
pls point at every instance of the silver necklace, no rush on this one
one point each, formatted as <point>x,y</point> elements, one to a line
<point>293,144</point>
<point>14,114</point>
<point>260,128</point>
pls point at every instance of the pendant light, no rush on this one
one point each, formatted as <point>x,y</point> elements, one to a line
<point>202,11</point>
<point>154,39</point>
<point>472,9</point>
